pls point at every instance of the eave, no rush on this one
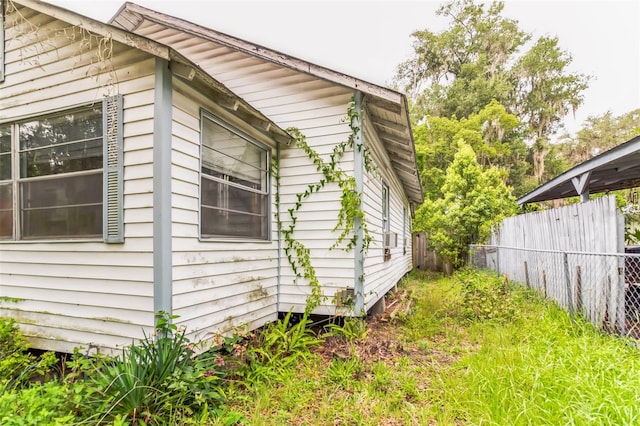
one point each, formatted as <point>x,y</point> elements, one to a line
<point>617,168</point>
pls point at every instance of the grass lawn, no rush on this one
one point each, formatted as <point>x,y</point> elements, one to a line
<point>469,349</point>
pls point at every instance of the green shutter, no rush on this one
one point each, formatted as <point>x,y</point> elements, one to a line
<point>113,208</point>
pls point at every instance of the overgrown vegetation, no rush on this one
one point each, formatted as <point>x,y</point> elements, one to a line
<point>473,201</point>
<point>486,81</point>
<point>467,349</point>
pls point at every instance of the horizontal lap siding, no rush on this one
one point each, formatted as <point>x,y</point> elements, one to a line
<point>79,293</point>
<point>317,217</point>
<point>217,285</point>
<point>381,275</point>
<point>315,107</point>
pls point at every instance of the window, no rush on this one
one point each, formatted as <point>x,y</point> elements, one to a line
<point>404,230</point>
<point>234,183</point>
<point>386,225</point>
<point>385,209</point>
<point>52,176</point>
<point>6,186</point>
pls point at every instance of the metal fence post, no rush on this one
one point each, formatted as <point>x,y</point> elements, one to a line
<point>567,278</point>
<point>498,260</point>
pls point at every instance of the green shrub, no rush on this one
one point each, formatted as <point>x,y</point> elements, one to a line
<point>159,378</point>
<point>39,404</point>
<point>17,365</point>
<point>486,297</point>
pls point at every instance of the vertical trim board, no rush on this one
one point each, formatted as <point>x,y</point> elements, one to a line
<point>162,248</point>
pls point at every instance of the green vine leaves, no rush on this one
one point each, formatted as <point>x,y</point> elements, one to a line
<point>350,214</point>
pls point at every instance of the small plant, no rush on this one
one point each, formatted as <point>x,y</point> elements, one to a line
<point>39,404</point>
<point>352,329</point>
<point>282,344</point>
<point>159,377</point>
<point>341,372</point>
<point>17,365</point>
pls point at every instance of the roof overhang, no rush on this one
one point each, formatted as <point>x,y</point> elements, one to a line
<point>180,65</point>
<point>97,27</point>
<point>618,168</point>
<point>387,108</point>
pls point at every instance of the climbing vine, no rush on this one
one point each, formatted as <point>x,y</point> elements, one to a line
<point>350,214</point>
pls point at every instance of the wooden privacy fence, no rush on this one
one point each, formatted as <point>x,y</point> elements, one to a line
<point>424,258</point>
<point>573,255</point>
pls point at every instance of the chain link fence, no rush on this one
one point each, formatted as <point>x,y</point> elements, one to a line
<point>603,288</point>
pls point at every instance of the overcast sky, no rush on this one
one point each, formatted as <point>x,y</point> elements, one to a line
<point>368,39</point>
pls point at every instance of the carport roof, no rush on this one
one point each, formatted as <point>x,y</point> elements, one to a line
<point>617,168</point>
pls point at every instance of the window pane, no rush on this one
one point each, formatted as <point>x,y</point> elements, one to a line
<point>5,138</point>
<point>226,153</point>
<point>5,166</point>
<point>5,152</point>
<point>234,185</point>
<point>72,157</point>
<point>63,206</point>
<point>62,128</point>
<point>233,212</point>
<point>6,211</point>
<point>385,208</point>
<point>61,143</point>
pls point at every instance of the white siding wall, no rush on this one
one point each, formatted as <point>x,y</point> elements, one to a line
<point>76,293</point>
<point>317,109</point>
<point>381,275</point>
<point>217,285</point>
<point>290,99</point>
<point>317,112</point>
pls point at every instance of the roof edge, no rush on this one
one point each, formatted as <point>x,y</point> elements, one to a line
<point>154,48</point>
<point>625,148</point>
<point>262,52</point>
<point>106,30</point>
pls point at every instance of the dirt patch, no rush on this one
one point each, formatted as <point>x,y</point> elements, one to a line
<point>383,340</point>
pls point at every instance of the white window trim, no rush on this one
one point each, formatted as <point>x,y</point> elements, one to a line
<point>204,114</point>
<point>386,209</point>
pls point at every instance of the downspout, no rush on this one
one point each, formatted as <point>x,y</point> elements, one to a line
<point>162,119</point>
<point>358,172</point>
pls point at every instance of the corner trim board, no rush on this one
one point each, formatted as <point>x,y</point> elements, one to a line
<point>358,171</point>
<point>162,248</point>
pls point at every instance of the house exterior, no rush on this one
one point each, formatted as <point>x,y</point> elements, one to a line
<point>149,165</point>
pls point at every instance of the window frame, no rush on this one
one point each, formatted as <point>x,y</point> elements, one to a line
<point>266,191</point>
<point>404,230</point>
<point>10,182</point>
<point>386,209</point>
<point>111,191</point>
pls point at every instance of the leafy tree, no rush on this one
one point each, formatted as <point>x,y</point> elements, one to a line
<point>460,70</point>
<point>599,134</point>
<point>473,201</point>
<point>494,135</point>
<point>545,93</point>
<point>483,56</point>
